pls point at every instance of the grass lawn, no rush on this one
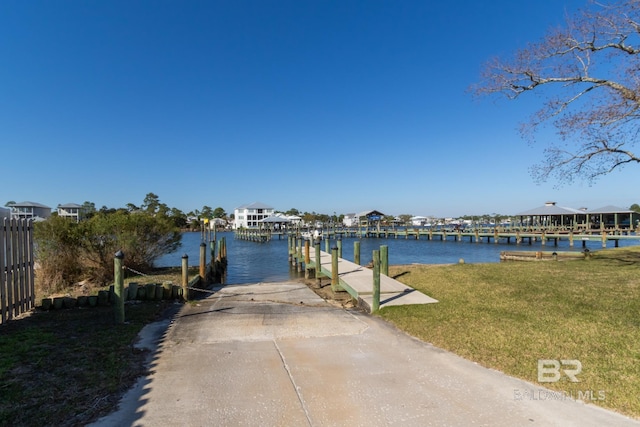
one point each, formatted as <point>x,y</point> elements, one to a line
<point>507,316</point>
<point>68,367</point>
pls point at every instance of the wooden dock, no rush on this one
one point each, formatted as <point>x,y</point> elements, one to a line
<point>358,281</point>
<point>507,235</point>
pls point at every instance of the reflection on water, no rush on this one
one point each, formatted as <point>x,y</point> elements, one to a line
<point>250,262</point>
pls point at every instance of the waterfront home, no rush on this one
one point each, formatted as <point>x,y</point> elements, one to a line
<point>5,213</point>
<point>350,220</point>
<point>249,216</point>
<point>29,210</point>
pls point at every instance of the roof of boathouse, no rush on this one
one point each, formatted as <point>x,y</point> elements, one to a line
<point>370,213</point>
<point>609,210</point>
<point>275,219</point>
<point>550,208</point>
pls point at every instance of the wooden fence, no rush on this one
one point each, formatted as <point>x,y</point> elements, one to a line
<point>17,290</point>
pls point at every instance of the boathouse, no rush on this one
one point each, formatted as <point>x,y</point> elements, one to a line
<point>370,219</point>
<point>550,216</point>
<point>613,217</point>
<point>274,223</point>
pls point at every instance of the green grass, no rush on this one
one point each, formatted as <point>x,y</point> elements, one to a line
<point>506,316</point>
<point>69,367</point>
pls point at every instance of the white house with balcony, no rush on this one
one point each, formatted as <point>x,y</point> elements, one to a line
<point>249,216</point>
<point>29,210</point>
<point>70,210</point>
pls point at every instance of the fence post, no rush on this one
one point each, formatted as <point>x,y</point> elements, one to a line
<point>356,252</point>
<point>203,259</point>
<point>334,269</point>
<point>384,260</point>
<point>118,287</point>
<point>185,277</point>
<point>375,305</point>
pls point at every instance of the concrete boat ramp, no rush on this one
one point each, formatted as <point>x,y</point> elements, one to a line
<point>358,281</point>
<point>276,354</point>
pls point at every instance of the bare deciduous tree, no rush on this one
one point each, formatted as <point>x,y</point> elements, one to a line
<point>588,72</point>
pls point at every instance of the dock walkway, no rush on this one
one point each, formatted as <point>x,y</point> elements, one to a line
<point>358,282</point>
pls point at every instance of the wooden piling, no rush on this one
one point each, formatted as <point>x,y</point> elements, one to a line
<point>384,260</point>
<point>118,287</point>
<point>356,252</point>
<point>185,277</point>
<point>318,271</point>
<point>307,255</point>
<point>203,260</point>
<point>334,269</point>
<point>375,305</point>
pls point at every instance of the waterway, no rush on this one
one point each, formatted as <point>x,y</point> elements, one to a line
<point>251,262</point>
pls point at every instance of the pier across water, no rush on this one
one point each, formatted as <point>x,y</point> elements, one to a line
<point>507,235</point>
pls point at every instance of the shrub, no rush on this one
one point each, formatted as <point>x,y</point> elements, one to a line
<point>68,252</point>
<point>57,249</point>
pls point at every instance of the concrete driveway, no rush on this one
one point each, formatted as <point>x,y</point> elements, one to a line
<point>276,354</point>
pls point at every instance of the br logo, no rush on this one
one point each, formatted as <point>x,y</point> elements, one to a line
<point>550,370</point>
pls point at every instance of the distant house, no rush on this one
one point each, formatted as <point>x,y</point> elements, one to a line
<point>350,220</point>
<point>249,216</point>
<point>5,213</point>
<point>216,223</point>
<point>30,210</point>
<point>419,220</point>
<point>71,211</point>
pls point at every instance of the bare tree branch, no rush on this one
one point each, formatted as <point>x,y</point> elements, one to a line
<point>589,73</point>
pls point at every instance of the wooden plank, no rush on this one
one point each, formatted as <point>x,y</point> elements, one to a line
<point>22,294</point>
<point>15,292</point>
<point>31,266</point>
<point>3,271</point>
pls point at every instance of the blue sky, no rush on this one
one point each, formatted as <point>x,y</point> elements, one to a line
<point>326,106</point>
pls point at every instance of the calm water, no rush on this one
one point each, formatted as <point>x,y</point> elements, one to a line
<point>250,262</point>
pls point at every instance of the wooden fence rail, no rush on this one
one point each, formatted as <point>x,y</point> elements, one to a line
<point>17,289</point>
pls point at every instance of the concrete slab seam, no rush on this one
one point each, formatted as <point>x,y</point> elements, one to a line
<point>293,382</point>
